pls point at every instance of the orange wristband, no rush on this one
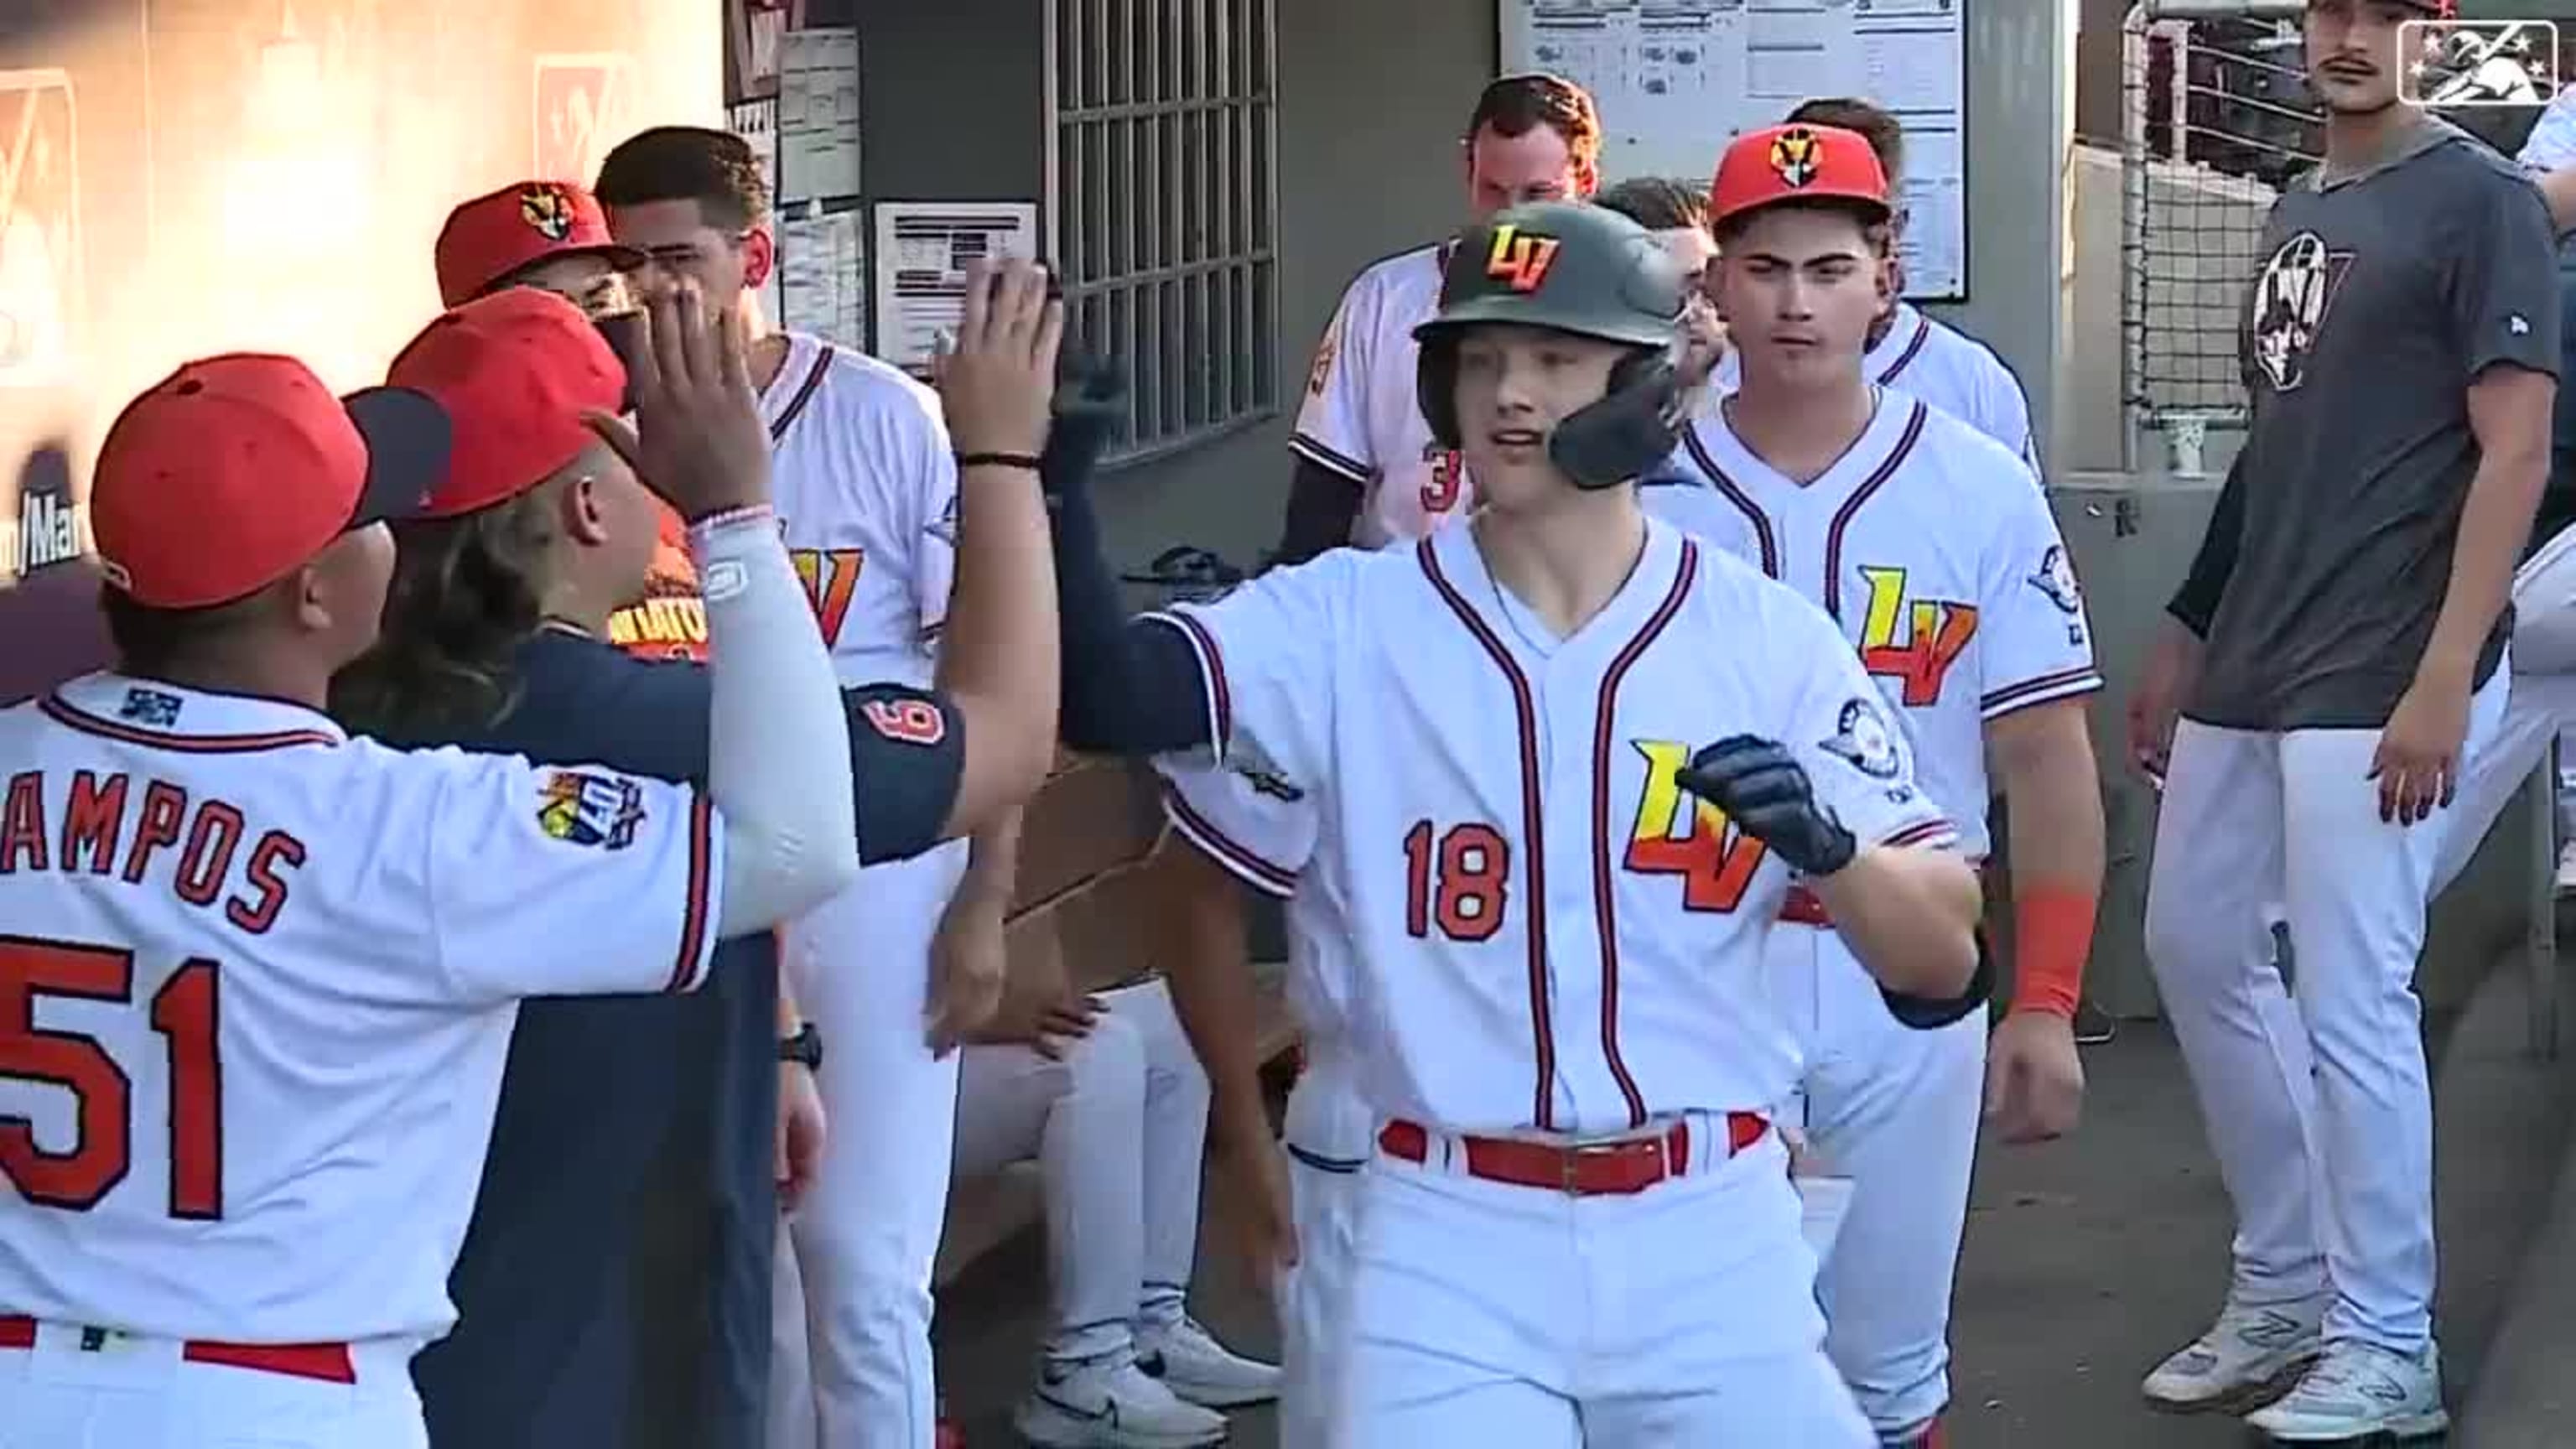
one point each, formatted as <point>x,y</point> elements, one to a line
<point>2052,935</point>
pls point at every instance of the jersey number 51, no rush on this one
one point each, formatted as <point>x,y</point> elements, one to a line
<point>183,1012</point>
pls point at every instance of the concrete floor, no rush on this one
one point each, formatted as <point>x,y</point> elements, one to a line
<point>2086,1260</point>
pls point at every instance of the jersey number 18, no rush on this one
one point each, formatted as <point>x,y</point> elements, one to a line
<point>183,1012</point>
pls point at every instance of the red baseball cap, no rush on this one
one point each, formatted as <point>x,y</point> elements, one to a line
<point>235,471</point>
<point>1797,162</point>
<point>514,372</point>
<point>491,237</point>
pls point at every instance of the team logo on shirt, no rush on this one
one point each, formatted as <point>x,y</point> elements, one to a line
<point>2292,295</point>
<point>831,579</point>
<point>581,807</point>
<point>2056,578</point>
<point>1914,642</point>
<point>1266,781</point>
<point>1678,833</point>
<point>157,708</point>
<point>1863,738</point>
<point>1320,371</point>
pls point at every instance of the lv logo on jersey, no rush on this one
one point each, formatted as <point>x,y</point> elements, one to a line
<point>831,577</point>
<point>1914,644</point>
<point>1715,860</point>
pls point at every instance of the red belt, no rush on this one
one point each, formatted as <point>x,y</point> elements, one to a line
<point>327,1362</point>
<point>1587,1169</point>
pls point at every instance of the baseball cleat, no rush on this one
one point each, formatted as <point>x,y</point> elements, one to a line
<point>1188,1359</point>
<point>1112,1404</point>
<point>2248,1358</point>
<point>2357,1390</point>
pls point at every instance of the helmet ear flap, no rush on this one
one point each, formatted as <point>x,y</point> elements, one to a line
<point>1435,385</point>
<point>1635,426</point>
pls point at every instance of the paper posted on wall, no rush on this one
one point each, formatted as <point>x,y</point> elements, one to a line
<point>818,115</point>
<point>823,277</point>
<point>922,250</point>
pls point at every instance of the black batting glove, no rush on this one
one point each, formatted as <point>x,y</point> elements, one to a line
<point>1765,791</point>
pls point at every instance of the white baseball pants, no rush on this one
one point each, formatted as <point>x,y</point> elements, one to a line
<point>1119,1128</point>
<point>141,1393</point>
<point>850,1327</point>
<point>1327,1139</point>
<point>1505,1317</point>
<point>2316,1106</point>
<point>1895,1110</point>
<point>2542,702</point>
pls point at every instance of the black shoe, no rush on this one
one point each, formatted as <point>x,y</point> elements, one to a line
<point>2093,1025</point>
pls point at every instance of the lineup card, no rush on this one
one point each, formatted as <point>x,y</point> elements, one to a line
<point>1678,79</point>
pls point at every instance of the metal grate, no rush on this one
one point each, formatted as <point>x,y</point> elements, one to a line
<point>2217,119</point>
<point>1162,167</point>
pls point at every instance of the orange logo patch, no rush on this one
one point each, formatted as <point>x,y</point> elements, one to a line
<point>1519,259</point>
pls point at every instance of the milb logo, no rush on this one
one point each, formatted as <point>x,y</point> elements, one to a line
<point>2478,64</point>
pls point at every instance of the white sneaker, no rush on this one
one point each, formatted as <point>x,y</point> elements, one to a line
<point>1188,1358</point>
<point>1112,1404</point>
<point>2567,869</point>
<point>2357,1390</point>
<point>2248,1358</point>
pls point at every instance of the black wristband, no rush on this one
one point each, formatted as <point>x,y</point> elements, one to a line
<point>804,1048</point>
<point>1026,462</point>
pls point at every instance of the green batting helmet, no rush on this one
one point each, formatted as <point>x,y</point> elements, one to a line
<point>1579,269</point>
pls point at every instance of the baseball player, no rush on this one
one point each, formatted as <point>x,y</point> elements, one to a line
<point>1367,472</point>
<point>1234,827</point>
<point>1577,1225</point>
<point>1678,216</point>
<point>1908,350</point>
<point>1955,591</point>
<point>1102,1090</point>
<point>615,1283</point>
<point>553,235</point>
<point>2336,661</point>
<point>867,488</point>
<point>264,974</point>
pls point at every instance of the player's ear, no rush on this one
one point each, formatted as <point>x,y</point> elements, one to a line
<point>584,510</point>
<point>759,257</point>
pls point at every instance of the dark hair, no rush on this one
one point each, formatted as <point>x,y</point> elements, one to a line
<point>156,641</point>
<point>1517,104</point>
<point>467,593</point>
<point>1884,133</point>
<point>715,169</point>
<point>1657,203</point>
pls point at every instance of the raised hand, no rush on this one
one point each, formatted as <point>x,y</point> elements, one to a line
<point>997,381</point>
<point>697,439</point>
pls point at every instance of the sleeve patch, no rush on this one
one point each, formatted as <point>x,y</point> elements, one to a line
<point>1863,740</point>
<point>589,809</point>
<point>2056,579</point>
<point>906,721</point>
<point>1319,373</point>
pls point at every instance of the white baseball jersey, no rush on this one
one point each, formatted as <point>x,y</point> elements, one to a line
<point>257,983</point>
<point>867,496</point>
<point>2552,142</point>
<point>1262,829</point>
<point>1946,368</point>
<point>1361,418</point>
<point>1546,930</point>
<point>1954,588</point>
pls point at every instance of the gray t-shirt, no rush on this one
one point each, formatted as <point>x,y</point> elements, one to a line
<point>2382,296</point>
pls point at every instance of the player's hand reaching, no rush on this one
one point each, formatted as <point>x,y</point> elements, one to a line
<point>2172,665</point>
<point>2417,763</point>
<point>1255,1195</point>
<point>801,1129</point>
<point>969,968</point>
<point>1765,791</point>
<point>997,380</point>
<point>697,438</point>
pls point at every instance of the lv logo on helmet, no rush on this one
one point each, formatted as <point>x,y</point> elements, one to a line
<point>1519,260</point>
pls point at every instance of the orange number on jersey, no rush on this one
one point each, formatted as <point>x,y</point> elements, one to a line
<point>102,1150</point>
<point>831,577</point>
<point>1440,491</point>
<point>1460,883</point>
<point>907,721</point>
<point>1715,861</point>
